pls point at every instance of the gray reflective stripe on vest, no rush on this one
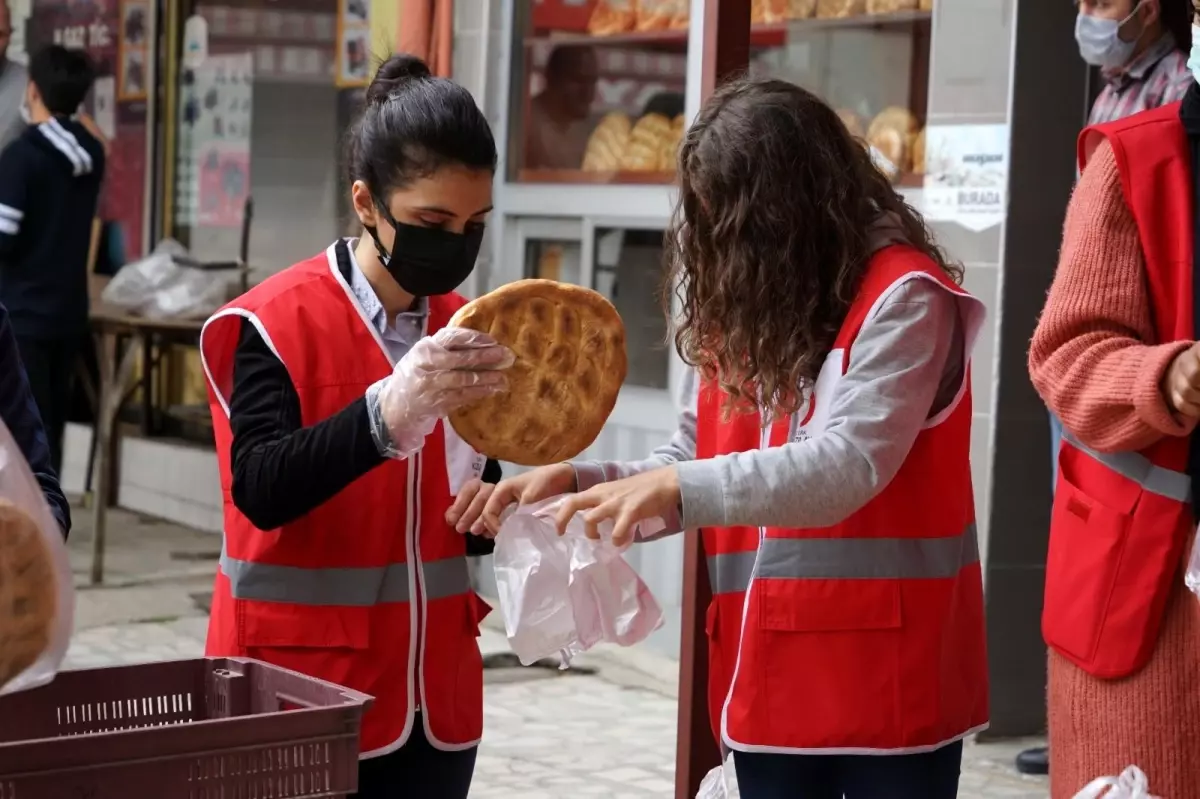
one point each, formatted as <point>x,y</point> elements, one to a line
<point>846,559</point>
<point>731,572</point>
<point>352,587</point>
<point>1138,468</point>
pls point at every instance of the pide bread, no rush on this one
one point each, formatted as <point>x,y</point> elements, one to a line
<point>569,344</point>
<point>28,598</point>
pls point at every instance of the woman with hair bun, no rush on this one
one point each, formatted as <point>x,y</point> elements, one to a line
<point>345,495</point>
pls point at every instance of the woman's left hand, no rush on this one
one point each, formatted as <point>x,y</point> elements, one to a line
<point>466,514</point>
<point>624,502</point>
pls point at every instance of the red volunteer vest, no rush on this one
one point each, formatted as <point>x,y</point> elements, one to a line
<point>370,590</point>
<point>1121,520</point>
<point>868,636</point>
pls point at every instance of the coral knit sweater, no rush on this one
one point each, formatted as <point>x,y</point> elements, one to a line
<point>1095,361</point>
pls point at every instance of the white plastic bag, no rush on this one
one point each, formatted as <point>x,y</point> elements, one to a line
<point>167,285</point>
<point>1192,576</point>
<point>563,595</point>
<point>720,783</point>
<point>1132,784</point>
<point>23,608</point>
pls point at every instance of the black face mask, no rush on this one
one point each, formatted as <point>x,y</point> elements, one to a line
<point>427,261</point>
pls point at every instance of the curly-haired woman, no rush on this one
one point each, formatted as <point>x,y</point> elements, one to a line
<point>824,451</point>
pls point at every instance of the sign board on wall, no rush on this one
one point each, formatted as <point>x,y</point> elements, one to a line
<point>354,43</point>
<point>966,175</point>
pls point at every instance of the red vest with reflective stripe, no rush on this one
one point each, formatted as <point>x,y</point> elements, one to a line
<point>369,590</point>
<point>1121,520</point>
<point>867,636</point>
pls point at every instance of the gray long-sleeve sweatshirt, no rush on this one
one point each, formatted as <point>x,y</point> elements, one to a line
<point>908,363</point>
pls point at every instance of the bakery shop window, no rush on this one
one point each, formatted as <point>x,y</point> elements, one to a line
<point>869,59</point>
<point>600,90</point>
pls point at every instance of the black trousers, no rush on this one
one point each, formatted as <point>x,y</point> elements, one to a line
<point>50,364</point>
<point>932,775</point>
<point>416,771</point>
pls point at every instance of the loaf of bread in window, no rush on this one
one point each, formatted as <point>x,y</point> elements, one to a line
<point>657,15</point>
<point>679,22</point>
<point>841,8</point>
<point>650,136</point>
<point>669,155</point>
<point>607,143</point>
<point>890,6</point>
<point>612,16</point>
<point>802,9</point>
<point>925,5</point>
<point>892,133</point>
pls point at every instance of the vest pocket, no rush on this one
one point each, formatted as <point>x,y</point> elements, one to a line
<point>1109,567</point>
<point>831,647</point>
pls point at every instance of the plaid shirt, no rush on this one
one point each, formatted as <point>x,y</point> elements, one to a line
<point>1157,77</point>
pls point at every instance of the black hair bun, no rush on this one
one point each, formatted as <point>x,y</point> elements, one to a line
<point>394,73</point>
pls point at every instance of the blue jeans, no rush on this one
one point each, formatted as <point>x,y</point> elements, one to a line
<point>931,775</point>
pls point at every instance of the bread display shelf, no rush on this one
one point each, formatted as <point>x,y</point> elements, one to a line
<point>770,35</point>
<point>580,176</point>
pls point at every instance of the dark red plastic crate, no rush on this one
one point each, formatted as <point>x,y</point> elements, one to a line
<point>210,728</point>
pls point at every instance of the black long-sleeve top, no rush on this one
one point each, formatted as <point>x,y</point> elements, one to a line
<point>281,469</point>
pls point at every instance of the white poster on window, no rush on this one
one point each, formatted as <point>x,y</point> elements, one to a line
<point>966,175</point>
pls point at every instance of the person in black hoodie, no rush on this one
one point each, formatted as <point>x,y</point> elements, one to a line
<point>50,179</point>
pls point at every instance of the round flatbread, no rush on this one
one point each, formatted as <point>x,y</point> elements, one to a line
<point>28,599</point>
<point>570,363</point>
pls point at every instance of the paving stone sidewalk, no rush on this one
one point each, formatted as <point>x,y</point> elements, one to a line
<point>549,735</point>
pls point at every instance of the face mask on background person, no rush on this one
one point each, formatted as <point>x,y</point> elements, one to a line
<point>1100,41</point>
<point>426,261</point>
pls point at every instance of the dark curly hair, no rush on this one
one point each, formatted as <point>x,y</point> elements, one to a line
<point>770,238</point>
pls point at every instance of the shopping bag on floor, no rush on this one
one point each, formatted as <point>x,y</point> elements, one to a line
<point>720,783</point>
<point>1132,784</point>
<point>563,595</point>
<point>37,593</point>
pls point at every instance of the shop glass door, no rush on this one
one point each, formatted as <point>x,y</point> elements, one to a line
<point>628,270</point>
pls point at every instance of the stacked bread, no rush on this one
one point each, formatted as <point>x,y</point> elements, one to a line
<point>650,145</point>
<point>659,15</point>
<point>613,16</point>
<point>840,9</point>
<point>891,6</point>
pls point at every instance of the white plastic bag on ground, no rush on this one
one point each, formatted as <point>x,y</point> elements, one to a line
<point>37,591</point>
<point>1192,575</point>
<point>563,595</point>
<point>720,783</point>
<point>1132,784</point>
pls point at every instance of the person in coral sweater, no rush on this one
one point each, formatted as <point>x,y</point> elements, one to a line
<point>1115,358</point>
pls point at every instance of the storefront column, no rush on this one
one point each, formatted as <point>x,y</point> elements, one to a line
<point>726,54</point>
<point>1049,105</point>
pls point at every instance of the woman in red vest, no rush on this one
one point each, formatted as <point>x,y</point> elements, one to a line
<point>823,449</point>
<point>327,383</point>
<point>1115,358</point>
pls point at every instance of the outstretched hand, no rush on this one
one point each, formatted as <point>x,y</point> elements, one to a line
<point>623,502</point>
